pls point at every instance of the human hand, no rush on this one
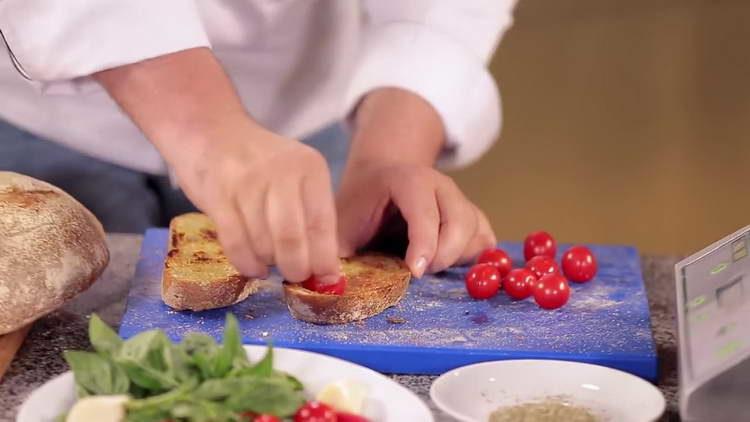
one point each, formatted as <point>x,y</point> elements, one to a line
<point>444,227</point>
<point>270,198</point>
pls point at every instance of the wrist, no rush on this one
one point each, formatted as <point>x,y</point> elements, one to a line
<point>392,125</point>
<point>183,143</point>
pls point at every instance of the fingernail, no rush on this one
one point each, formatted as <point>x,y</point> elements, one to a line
<point>419,266</point>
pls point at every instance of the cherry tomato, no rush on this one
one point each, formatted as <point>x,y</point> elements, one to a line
<point>350,417</point>
<point>314,284</point>
<point>551,291</point>
<point>314,411</point>
<point>539,244</point>
<point>482,281</point>
<point>579,264</point>
<point>519,282</point>
<point>266,418</point>
<point>542,265</point>
<point>498,258</point>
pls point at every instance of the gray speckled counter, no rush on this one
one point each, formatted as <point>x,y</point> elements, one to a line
<point>40,358</point>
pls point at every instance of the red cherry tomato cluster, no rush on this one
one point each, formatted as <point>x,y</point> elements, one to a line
<point>541,278</point>
<point>314,411</point>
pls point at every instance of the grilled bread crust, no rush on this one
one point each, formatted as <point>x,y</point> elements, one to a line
<point>375,283</point>
<point>197,275</point>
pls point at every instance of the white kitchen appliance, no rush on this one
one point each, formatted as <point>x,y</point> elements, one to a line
<point>713,315</point>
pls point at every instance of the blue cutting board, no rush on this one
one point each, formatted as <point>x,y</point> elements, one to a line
<point>606,321</point>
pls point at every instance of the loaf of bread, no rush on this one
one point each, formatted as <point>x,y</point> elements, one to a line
<point>51,248</point>
<point>197,275</point>
<point>375,283</point>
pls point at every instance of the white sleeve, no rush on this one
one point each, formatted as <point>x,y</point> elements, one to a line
<point>58,44</point>
<point>438,49</point>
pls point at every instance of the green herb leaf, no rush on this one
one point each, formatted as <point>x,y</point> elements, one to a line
<point>165,400</point>
<point>95,374</point>
<point>194,381</point>
<point>216,361</point>
<point>274,396</point>
<point>263,368</point>
<point>203,353</point>
<point>293,381</point>
<point>197,342</point>
<point>203,411</point>
<point>232,354</point>
<point>102,337</point>
<point>143,359</point>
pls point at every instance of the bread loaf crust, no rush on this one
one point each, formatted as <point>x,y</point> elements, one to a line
<point>51,249</point>
<point>375,283</point>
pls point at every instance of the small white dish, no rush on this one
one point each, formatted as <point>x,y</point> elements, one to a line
<point>387,401</point>
<point>471,393</point>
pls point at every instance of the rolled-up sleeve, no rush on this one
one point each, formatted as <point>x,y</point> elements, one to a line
<point>63,42</point>
<point>438,49</point>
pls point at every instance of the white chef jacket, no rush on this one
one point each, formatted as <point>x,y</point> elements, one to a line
<point>298,65</point>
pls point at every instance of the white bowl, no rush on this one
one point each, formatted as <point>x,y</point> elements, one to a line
<point>387,401</point>
<point>472,392</point>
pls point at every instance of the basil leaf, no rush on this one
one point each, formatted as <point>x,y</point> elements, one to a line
<point>274,396</point>
<point>263,368</point>
<point>162,401</point>
<point>142,358</point>
<point>203,353</point>
<point>198,342</point>
<point>212,360</point>
<point>148,415</point>
<point>292,380</point>
<point>95,374</point>
<point>232,354</point>
<point>179,364</point>
<point>203,411</point>
<point>102,337</point>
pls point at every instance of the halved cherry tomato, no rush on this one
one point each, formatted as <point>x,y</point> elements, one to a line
<point>497,258</point>
<point>579,264</point>
<point>542,265</point>
<point>266,418</point>
<point>314,411</point>
<point>314,284</point>
<point>350,417</point>
<point>551,291</point>
<point>539,243</point>
<point>518,283</point>
<point>482,281</point>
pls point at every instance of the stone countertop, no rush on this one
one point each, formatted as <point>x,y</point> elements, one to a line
<point>40,358</point>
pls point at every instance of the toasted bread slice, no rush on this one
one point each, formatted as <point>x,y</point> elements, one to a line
<point>197,275</point>
<point>375,283</point>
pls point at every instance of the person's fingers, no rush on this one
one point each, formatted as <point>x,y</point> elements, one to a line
<point>253,208</point>
<point>286,223</point>
<point>320,226</point>
<point>484,238</point>
<point>232,235</point>
<point>359,218</point>
<point>419,208</point>
<point>458,225</point>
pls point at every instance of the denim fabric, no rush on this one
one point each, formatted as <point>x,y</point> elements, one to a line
<point>122,199</point>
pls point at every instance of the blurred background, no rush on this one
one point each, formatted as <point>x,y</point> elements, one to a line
<point>624,122</point>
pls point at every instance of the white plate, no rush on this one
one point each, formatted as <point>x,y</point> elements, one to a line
<point>386,400</point>
<point>472,392</point>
